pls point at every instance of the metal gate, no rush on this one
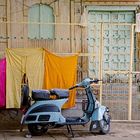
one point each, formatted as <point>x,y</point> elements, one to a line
<point>112,40</point>
<point>117,64</point>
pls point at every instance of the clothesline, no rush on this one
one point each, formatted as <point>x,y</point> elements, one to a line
<point>66,23</point>
<point>65,54</point>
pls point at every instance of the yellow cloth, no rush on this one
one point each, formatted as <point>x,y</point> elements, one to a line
<point>61,72</point>
<point>20,61</point>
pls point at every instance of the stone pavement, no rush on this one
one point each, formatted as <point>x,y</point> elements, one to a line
<point>119,131</point>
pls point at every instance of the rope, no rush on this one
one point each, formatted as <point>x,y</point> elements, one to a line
<point>67,23</point>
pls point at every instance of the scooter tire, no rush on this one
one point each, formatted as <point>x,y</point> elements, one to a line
<point>104,128</point>
<point>105,124</point>
<point>37,129</point>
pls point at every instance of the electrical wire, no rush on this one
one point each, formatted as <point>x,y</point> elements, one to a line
<point>52,2</point>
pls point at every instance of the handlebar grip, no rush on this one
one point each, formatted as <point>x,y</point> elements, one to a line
<point>95,81</point>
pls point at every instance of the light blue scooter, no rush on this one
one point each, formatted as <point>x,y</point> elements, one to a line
<point>46,112</point>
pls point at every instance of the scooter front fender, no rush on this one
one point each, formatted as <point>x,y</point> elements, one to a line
<point>98,113</point>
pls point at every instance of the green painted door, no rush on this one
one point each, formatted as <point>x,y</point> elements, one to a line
<point>34,18</point>
<point>46,16</point>
<point>116,40</point>
<point>40,16</point>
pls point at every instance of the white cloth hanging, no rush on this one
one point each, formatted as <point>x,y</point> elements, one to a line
<point>138,22</point>
<point>84,20</point>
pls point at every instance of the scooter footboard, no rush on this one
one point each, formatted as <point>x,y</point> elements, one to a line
<point>98,113</point>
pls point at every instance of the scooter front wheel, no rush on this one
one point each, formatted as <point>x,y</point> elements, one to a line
<point>104,126</point>
<point>37,129</point>
<point>105,123</point>
<point>99,126</point>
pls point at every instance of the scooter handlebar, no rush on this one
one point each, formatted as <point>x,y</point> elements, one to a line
<point>84,85</point>
<point>95,81</point>
<point>73,87</point>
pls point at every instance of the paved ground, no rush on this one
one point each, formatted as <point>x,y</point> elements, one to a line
<point>119,131</point>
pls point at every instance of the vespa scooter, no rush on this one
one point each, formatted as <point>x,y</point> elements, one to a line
<point>45,112</point>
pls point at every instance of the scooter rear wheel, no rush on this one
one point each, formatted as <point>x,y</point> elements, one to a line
<point>37,129</point>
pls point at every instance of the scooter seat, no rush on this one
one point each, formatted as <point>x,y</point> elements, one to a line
<point>39,95</point>
<point>60,93</point>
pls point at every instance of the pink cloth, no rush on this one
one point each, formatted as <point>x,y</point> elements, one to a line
<point>2,82</point>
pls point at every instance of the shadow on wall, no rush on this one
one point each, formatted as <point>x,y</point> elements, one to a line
<point>10,119</point>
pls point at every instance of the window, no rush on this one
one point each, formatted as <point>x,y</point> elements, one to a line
<point>39,16</point>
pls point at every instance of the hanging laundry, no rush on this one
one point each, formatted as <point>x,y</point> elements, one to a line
<point>21,61</point>
<point>2,82</point>
<point>61,72</point>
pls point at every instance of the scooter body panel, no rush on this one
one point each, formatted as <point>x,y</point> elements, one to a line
<point>44,112</point>
<point>98,113</point>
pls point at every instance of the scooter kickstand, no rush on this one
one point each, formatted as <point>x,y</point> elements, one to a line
<point>70,130</point>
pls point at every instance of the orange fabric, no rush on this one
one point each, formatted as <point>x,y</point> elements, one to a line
<point>61,72</point>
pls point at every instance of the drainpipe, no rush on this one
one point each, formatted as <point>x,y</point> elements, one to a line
<point>81,39</point>
<point>70,28</point>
